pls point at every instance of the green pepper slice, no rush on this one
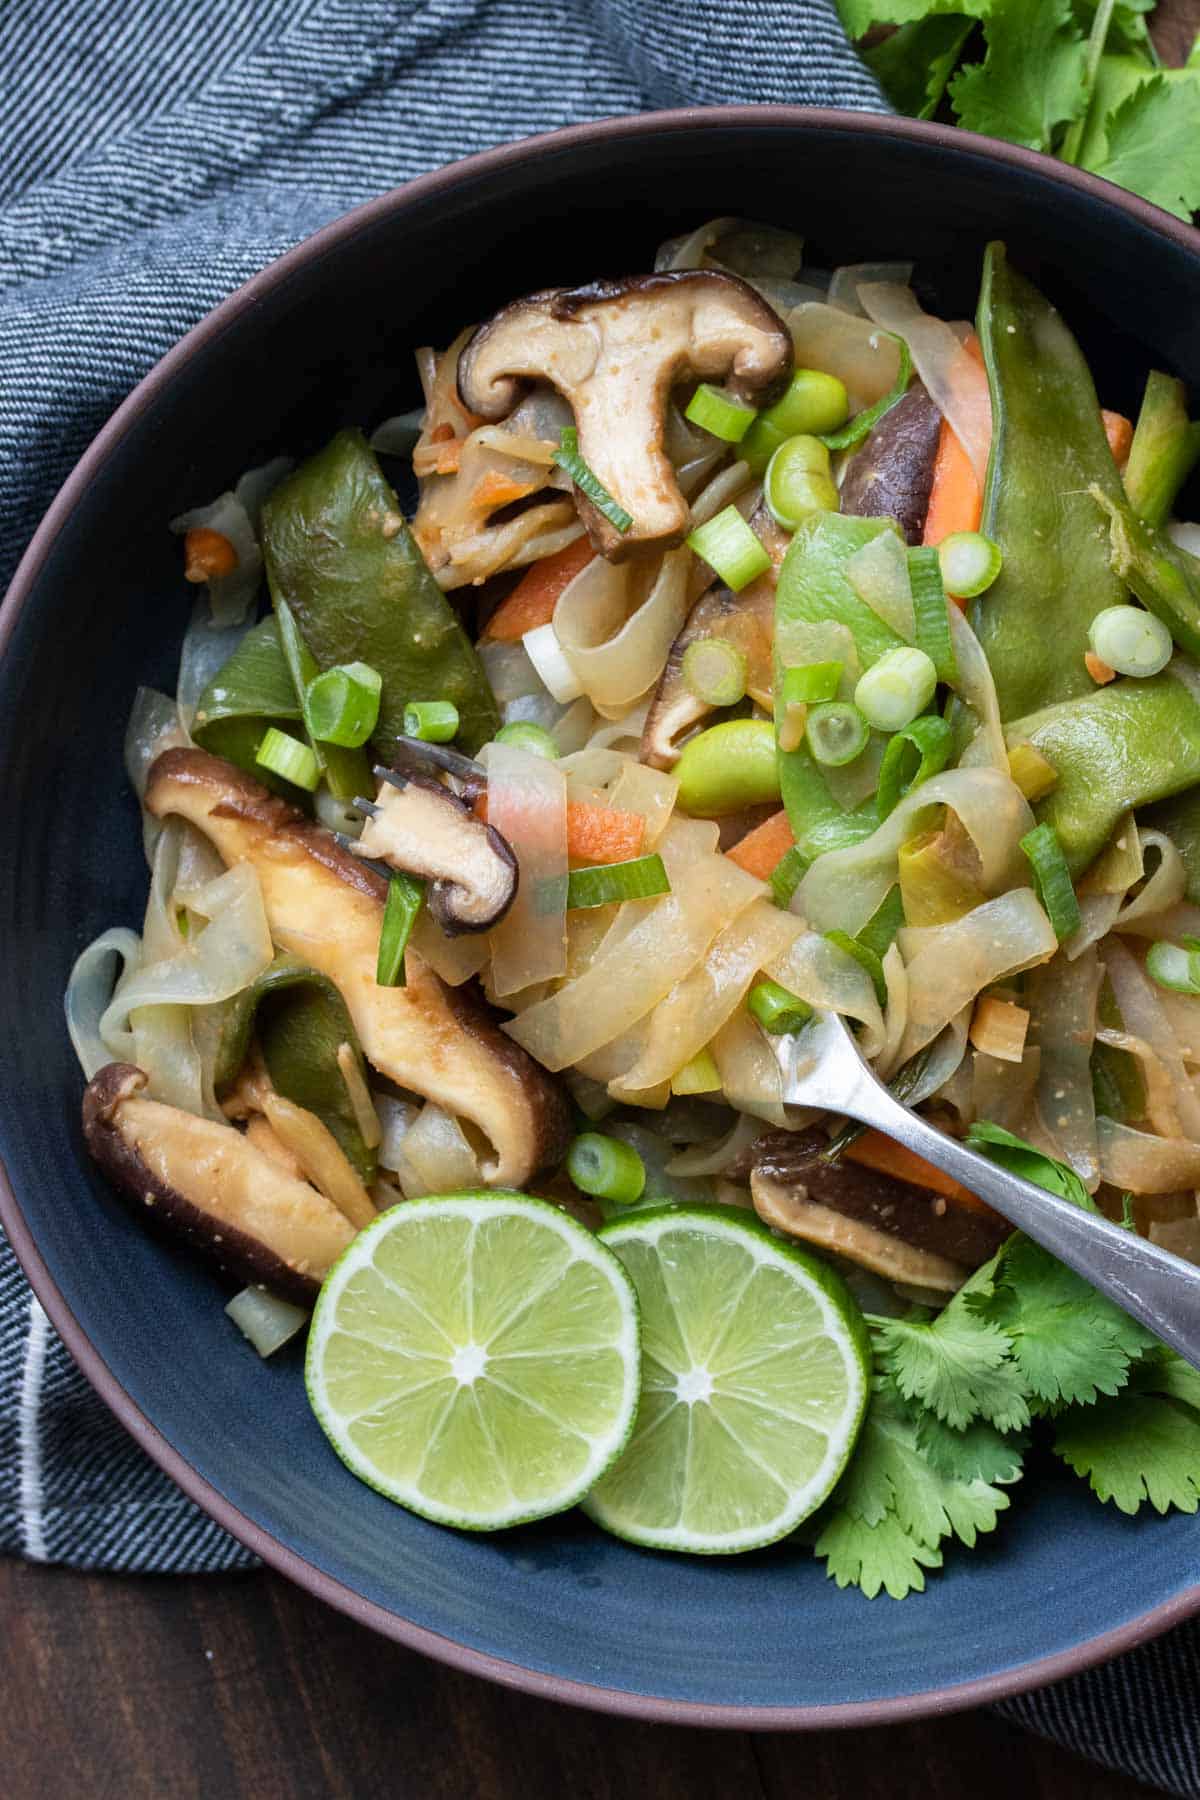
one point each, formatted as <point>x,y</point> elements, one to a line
<point>301,1022</point>
<point>1121,746</point>
<point>339,553</point>
<point>1048,447</point>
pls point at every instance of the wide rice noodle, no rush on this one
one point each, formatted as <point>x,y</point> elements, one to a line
<point>1003,1091</point>
<point>618,653</point>
<point>949,964</point>
<point>843,288</point>
<point>1145,1164</point>
<point>845,888</point>
<point>751,1079</point>
<point>1143,1017</point>
<point>527,805</point>
<point>1103,905</point>
<point>830,979</point>
<point>956,382</point>
<point>639,963</point>
<point>895,1015</point>
<point>975,685</point>
<point>866,360</point>
<point>96,970</point>
<point>1062,998</point>
<point>714,1158</point>
<point>1161,1110</point>
<point>696,1008</point>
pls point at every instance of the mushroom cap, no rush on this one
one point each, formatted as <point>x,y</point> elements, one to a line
<point>421,827</point>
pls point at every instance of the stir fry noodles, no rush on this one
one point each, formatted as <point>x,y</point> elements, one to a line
<point>760,643</point>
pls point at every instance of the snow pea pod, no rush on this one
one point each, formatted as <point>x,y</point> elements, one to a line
<point>1165,448</point>
<point>1120,746</point>
<point>252,691</point>
<point>1048,448</point>
<point>1164,576</point>
<point>339,553</point>
<point>301,1023</point>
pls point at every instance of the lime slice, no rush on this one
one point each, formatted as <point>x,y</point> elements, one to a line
<point>755,1367</point>
<point>475,1357</point>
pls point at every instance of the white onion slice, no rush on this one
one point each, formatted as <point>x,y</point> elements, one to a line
<point>527,805</point>
<point>545,651</point>
<point>865,359</point>
<point>846,280</point>
<point>435,1156</point>
<point>616,647</point>
<point>956,382</point>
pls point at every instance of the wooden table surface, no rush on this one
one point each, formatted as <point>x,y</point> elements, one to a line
<point>243,1688</point>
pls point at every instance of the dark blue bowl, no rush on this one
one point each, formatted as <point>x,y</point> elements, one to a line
<point>320,339</point>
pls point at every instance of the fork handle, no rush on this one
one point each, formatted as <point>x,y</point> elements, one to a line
<point>1159,1289</point>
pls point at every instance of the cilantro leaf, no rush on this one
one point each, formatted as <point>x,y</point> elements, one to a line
<point>1135,1448</point>
<point>1152,144</point>
<point>1019,1158</point>
<point>1032,78</point>
<point>957,1365</point>
<point>1068,1342</point>
<point>872,1557</point>
<point>858,16</point>
<point>979,1453</point>
<point>915,63</point>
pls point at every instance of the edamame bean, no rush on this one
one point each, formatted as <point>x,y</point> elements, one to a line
<point>727,767</point>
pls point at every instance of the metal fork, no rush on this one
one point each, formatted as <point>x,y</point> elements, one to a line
<point>822,1067</point>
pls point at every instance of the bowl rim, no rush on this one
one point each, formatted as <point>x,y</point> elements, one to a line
<point>272,1551</point>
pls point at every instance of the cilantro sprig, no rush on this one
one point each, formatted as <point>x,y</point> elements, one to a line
<point>1026,1343</point>
<point>1079,79</point>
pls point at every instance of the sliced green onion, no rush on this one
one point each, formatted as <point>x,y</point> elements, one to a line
<point>969,562</point>
<point>265,1319</point>
<point>1175,966</point>
<point>930,612</point>
<point>346,769</point>
<point>777,1011</point>
<point>717,412</point>
<point>1052,879</point>
<point>865,957</point>
<point>897,688</point>
<point>699,1076</point>
<point>865,422</point>
<point>642,878</point>
<point>798,482</point>
<point>811,684</point>
<point>920,750</point>
<point>727,544</point>
<point>607,1168</point>
<point>342,705</point>
<point>714,670</point>
<point>814,402</point>
<point>431,721</point>
<point>837,732</point>
<point>288,757</point>
<point>399,916</point>
<point>1130,641</point>
<point>528,736</point>
<point>567,457</point>
<point>787,875</point>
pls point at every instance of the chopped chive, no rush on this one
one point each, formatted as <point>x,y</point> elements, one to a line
<point>777,1011</point>
<point>700,1075</point>
<point>433,721</point>
<point>528,736</point>
<point>865,422</point>
<point>916,752</point>
<point>714,671</point>
<point>642,878</point>
<point>288,757</point>
<point>837,732</point>
<point>341,706</point>
<point>717,412</point>
<point>929,610</point>
<point>864,956</point>
<point>399,916</point>
<point>1052,878</point>
<point>567,457</point>
<point>969,563</point>
<point>787,875</point>
<point>606,1168</point>
<point>727,544</point>
<point>1175,966</point>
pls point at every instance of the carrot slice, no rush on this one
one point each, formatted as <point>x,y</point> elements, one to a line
<point>496,490</point>
<point>760,851</point>
<point>955,498</point>
<point>1119,432</point>
<point>595,834</point>
<point>883,1154</point>
<point>535,596</point>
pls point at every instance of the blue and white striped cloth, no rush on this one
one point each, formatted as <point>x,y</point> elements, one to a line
<point>153,155</point>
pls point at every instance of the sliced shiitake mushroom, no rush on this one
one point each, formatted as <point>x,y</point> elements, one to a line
<point>212,1188</point>
<point>891,475</point>
<point>418,825</point>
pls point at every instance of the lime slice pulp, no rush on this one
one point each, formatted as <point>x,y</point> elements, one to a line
<point>475,1357</point>
<point>755,1371</point>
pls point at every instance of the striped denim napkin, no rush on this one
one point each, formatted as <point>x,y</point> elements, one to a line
<point>153,155</point>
